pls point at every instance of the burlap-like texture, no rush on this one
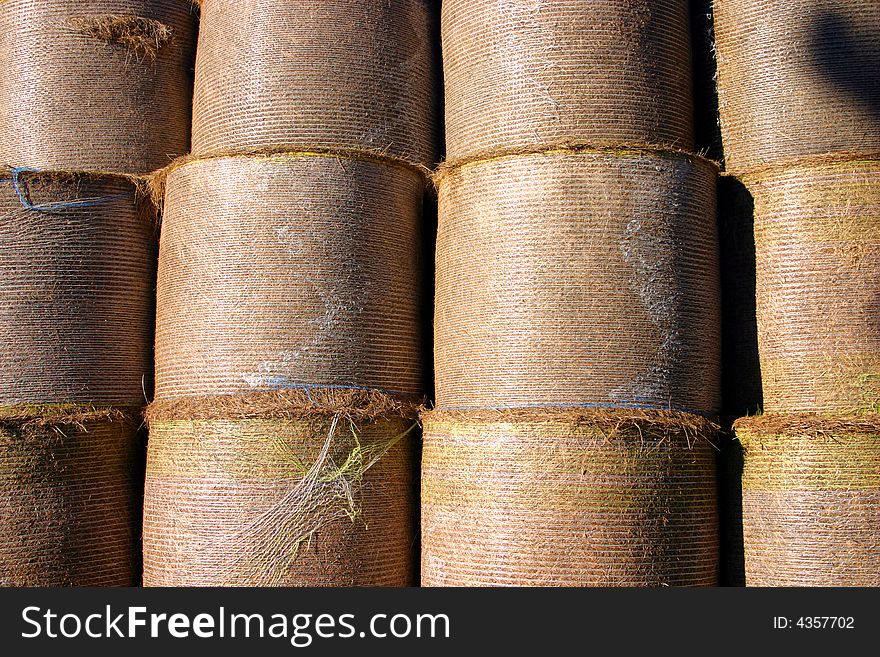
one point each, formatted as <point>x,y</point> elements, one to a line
<point>797,78</point>
<point>305,500</point>
<point>69,497</point>
<point>578,278</point>
<point>349,74</point>
<point>77,266</point>
<point>286,271</point>
<point>557,497</point>
<point>741,368</point>
<point>104,85</point>
<point>527,74</point>
<point>810,492</point>
<point>817,249</point>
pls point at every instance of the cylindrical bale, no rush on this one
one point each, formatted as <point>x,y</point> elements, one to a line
<point>556,497</point>
<point>811,494</point>
<point>529,75</point>
<point>579,278</point>
<point>294,498</point>
<point>77,267</point>
<point>104,85</point>
<point>797,78</point>
<point>287,271</point>
<point>741,392</point>
<point>817,249</point>
<point>348,74</point>
<point>69,497</point>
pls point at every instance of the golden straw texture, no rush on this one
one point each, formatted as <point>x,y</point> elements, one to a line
<point>550,497</point>
<point>578,278</point>
<point>817,248</point>
<point>69,499</point>
<point>797,78</point>
<point>289,270</point>
<point>536,73</point>
<point>349,74</point>
<point>324,501</point>
<point>77,272</point>
<point>104,85</point>
<point>811,493</point>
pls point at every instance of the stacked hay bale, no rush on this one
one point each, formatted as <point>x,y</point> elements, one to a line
<point>577,331</point>
<point>289,351</point>
<point>92,96</point>
<point>799,103</point>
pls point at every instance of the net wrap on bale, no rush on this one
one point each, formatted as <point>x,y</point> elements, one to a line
<point>76,299</point>
<point>69,499</point>
<point>289,270</point>
<point>565,497</point>
<point>797,78</point>
<point>817,242</point>
<point>348,74</point>
<point>535,74</point>
<point>281,488</point>
<point>104,85</point>
<point>810,492</point>
<point>596,283</point>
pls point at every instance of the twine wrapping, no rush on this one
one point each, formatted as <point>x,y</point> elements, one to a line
<point>555,497</point>
<point>349,74</point>
<point>289,271</point>
<point>76,299</point>
<point>811,491</point>
<point>797,78</point>
<point>741,368</point>
<point>69,497</point>
<point>817,246</point>
<point>578,278</point>
<point>304,499</point>
<point>534,74</point>
<point>104,85</point>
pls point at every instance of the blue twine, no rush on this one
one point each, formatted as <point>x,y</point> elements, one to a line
<point>21,191</point>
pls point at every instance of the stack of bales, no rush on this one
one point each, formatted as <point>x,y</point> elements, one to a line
<point>800,116</point>
<point>577,305</point>
<point>92,96</point>
<point>289,350</point>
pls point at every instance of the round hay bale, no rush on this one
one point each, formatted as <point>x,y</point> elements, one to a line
<point>287,271</point>
<point>811,491</point>
<point>292,496</point>
<point>797,78</point>
<point>69,497</point>
<point>561,497</point>
<point>817,248</point>
<point>578,278</point>
<point>104,85</point>
<point>349,74</point>
<point>532,75</point>
<point>77,296</point>
<point>741,369</point>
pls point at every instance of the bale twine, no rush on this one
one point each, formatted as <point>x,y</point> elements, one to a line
<point>557,497</point>
<point>741,368</point>
<point>349,74</point>
<point>287,271</point>
<point>811,491</point>
<point>281,489</point>
<point>69,497</point>
<point>536,74</point>
<point>797,78</point>
<point>76,301</point>
<point>578,278</point>
<point>817,243</point>
<point>104,85</point>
